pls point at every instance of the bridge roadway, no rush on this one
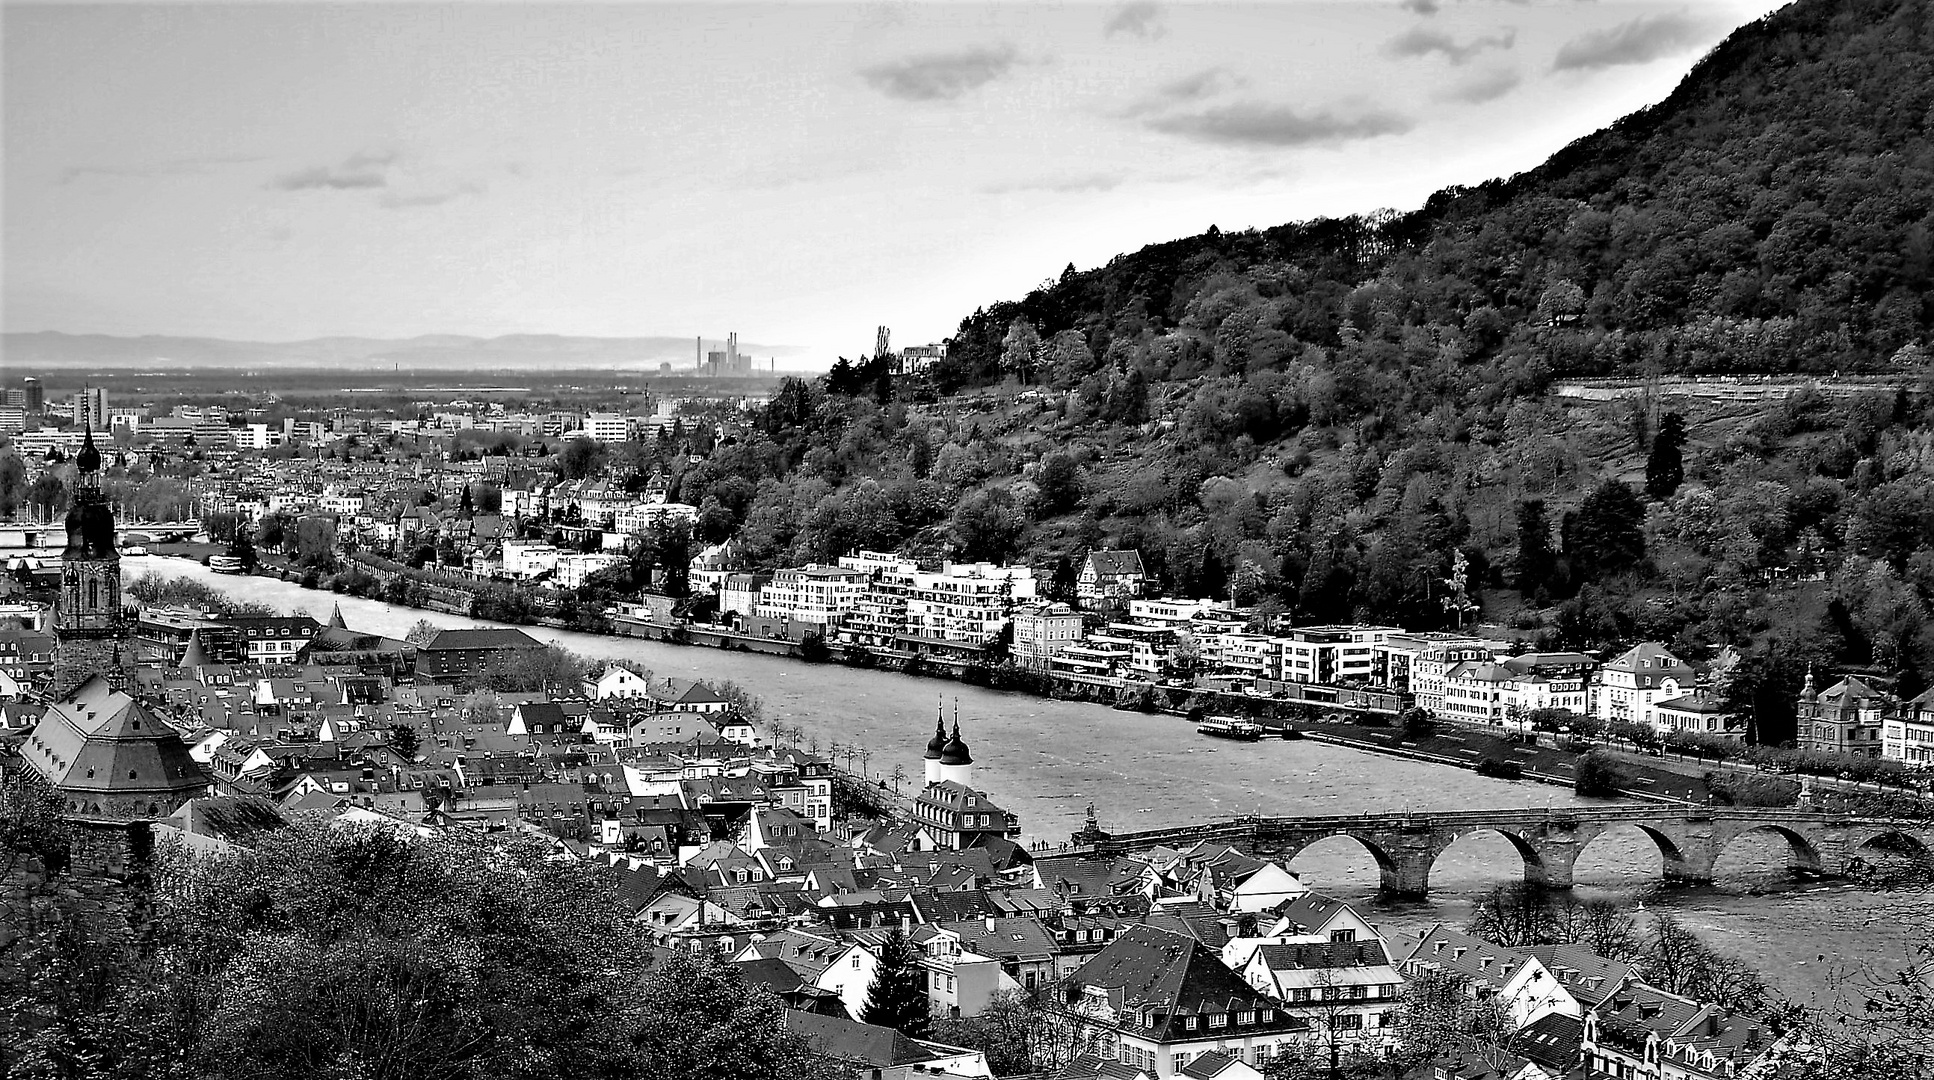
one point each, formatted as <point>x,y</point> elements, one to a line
<point>1690,839</point>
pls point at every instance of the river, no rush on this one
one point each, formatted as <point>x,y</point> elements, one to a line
<point>1047,760</point>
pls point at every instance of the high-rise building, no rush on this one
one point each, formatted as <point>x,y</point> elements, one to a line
<point>90,408</point>
<point>33,395</point>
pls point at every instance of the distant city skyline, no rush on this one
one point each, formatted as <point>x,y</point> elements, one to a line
<point>799,174</point>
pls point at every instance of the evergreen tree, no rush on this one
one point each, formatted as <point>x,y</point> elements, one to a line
<point>1665,467</point>
<point>1064,582</point>
<point>1607,535</point>
<point>1534,546</point>
<point>242,547</point>
<point>896,999</point>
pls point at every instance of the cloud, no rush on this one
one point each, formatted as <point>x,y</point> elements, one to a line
<point>1419,41</point>
<point>1483,86</point>
<point>1255,123</point>
<point>1060,185</point>
<point>363,169</point>
<point>392,200</point>
<point>1186,90</point>
<point>1422,7</point>
<point>176,167</point>
<point>366,159</point>
<point>941,76</point>
<point>1141,18</point>
<point>322,176</point>
<point>1639,41</point>
<point>1200,85</point>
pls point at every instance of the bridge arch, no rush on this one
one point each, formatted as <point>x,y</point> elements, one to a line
<point>1532,864</point>
<point>1803,853</point>
<point>1389,870</point>
<point>1892,841</point>
<point>1672,856</point>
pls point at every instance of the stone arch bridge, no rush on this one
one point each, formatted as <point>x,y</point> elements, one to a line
<point>1690,839</point>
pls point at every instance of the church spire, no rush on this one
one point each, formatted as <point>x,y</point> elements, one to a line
<point>88,462</point>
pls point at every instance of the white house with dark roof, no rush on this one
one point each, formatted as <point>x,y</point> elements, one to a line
<point>845,968</point>
<point>1110,578</point>
<point>1349,991</point>
<point>1486,966</point>
<point>1909,736</point>
<point>1644,675</point>
<point>688,695</point>
<point>1700,712</point>
<point>617,681</point>
<point>1157,1001</point>
<point>1316,917</point>
<point>1644,1033</point>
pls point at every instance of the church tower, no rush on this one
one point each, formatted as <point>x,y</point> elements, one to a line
<point>87,614</point>
<point>935,746</point>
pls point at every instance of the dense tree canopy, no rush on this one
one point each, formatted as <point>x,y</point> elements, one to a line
<point>339,952</point>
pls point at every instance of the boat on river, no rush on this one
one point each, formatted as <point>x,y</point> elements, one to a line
<point>225,564</point>
<point>1229,727</point>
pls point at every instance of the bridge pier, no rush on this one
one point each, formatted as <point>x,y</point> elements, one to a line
<point>1408,876</point>
<point>1685,871</point>
<point>1549,873</point>
<point>1550,856</point>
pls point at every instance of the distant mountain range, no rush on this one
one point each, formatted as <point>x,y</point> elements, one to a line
<point>53,350</point>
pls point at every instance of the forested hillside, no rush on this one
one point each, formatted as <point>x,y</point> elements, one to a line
<point>1318,417</point>
<point>1774,214</point>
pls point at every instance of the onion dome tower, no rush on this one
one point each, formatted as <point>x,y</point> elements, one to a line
<point>87,612</point>
<point>935,747</point>
<point>956,764</point>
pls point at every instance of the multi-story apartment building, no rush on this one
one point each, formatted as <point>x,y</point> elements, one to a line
<point>1157,1001</point>
<point>1848,717</point>
<point>1044,631</point>
<point>90,408</point>
<point>1503,693</point>
<point>573,570</point>
<point>821,596</point>
<point>1480,692</point>
<point>274,639</point>
<point>1909,736</point>
<point>1427,668</point>
<point>1629,687</point>
<point>966,602</point>
<point>526,559</point>
<point>879,617</point>
<point>608,427</point>
<point>1330,654</point>
<point>635,518</point>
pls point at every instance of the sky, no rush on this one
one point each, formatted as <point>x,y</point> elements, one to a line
<point>798,173</point>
